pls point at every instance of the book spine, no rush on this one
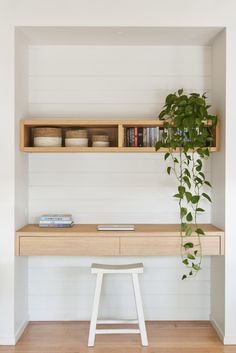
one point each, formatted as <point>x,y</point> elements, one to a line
<point>55,218</point>
<point>160,133</point>
<point>140,137</point>
<point>144,137</point>
<point>154,136</point>
<point>55,225</point>
<point>135,137</point>
<point>127,137</point>
<point>157,133</point>
<point>148,137</point>
<point>55,222</point>
<point>131,137</point>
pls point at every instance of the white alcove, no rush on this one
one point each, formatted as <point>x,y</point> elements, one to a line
<point>124,73</point>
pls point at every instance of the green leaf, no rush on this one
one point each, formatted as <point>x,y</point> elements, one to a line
<point>195,252</point>
<point>198,180</point>
<point>186,262</point>
<point>189,217</point>
<point>188,232</point>
<point>168,170</point>
<point>199,209</point>
<point>183,212</point>
<point>199,162</point>
<point>162,114</point>
<point>202,175</point>
<point>188,246</point>
<point>200,231</point>
<point>167,155</point>
<point>196,267</point>
<point>184,277</point>
<point>187,181</point>
<point>206,196</point>
<point>190,257</point>
<point>181,189</point>
<point>200,101</point>
<point>186,171</point>
<point>178,196</point>
<point>198,168</point>
<point>180,91</point>
<point>190,273</point>
<point>188,196</point>
<point>207,183</point>
<point>195,199</point>
<point>158,145</point>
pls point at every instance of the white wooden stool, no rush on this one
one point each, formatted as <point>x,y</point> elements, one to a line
<point>132,269</point>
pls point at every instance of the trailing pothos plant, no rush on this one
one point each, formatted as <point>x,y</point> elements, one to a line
<point>187,136</point>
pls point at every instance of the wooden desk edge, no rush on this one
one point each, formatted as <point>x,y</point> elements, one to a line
<point>140,230</point>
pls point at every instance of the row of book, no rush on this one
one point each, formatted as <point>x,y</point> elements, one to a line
<point>148,136</point>
<point>56,221</point>
<point>142,136</point>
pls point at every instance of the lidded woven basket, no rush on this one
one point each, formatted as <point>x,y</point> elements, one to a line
<point>76,138</point>
<point>47,136</point>
<point>100,141</point>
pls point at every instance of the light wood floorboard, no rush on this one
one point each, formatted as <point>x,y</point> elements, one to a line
<point>164,337</point>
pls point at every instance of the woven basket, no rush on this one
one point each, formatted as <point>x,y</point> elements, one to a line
<point>47,132</point>
<point>76,134</point>
<point>101,138</point>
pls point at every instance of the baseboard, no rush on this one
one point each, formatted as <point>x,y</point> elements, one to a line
<point>7,340</point>
<point>20,330</point>
<point>218,329</point>
<point>12,340</point>
<point>230,340</point>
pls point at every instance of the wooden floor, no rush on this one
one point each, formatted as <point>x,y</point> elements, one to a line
<point>164,337</point>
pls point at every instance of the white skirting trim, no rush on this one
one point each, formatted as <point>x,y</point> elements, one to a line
<point>12,340</point>
<point>7,340</point>
<point>21,330</point>
<point>218,329</point>
<point>230,340</point>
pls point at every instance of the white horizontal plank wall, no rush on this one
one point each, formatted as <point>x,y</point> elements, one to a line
<point>110,82</point>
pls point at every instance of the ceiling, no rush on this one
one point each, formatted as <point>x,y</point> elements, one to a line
<point>120,35</point>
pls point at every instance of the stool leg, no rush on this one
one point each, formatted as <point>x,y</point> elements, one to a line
<point>93,322</point>
<point>139,307</point>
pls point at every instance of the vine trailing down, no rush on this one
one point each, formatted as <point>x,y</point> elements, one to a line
<point>188,136</point>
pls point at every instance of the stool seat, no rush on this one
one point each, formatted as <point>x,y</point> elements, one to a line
<point>129,268</point>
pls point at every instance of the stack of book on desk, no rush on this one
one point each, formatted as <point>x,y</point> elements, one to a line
<point>56,221</point>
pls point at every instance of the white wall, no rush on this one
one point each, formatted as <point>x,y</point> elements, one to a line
<point>218,182</point>
<point>230,192</point>
<point>21,181</point>
<point>111,82</point>
<point>7,179</point>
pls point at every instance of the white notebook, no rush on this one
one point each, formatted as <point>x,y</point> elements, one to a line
<point>115,227</point>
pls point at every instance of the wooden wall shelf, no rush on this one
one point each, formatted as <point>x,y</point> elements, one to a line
<point>86,240</point>
<point>114,128</point>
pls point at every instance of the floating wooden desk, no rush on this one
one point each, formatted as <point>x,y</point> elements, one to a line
<point>86,240</point>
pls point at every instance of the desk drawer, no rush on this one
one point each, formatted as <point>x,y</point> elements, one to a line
<point>152,246</point>
<point>68,246</point>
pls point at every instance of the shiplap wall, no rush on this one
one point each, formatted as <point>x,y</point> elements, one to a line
<point>110,82</point>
